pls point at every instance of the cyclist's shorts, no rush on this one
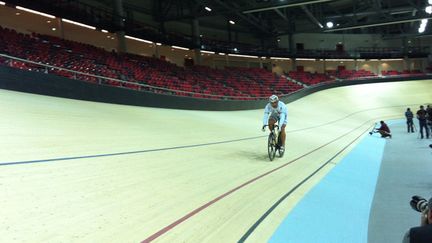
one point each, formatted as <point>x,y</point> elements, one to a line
<point>275,116</point>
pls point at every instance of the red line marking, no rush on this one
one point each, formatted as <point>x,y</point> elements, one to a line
<point>199,209</point>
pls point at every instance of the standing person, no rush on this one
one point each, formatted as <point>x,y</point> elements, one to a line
<point>384,130</point>
<point>421,116</point>
<point>429,118</point>
<point>276,111</point>
<point>410,123</point>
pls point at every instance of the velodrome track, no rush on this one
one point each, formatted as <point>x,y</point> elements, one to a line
<point>75,171</point>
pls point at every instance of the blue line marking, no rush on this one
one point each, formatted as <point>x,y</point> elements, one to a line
<point>125,153</point>
<point>337,209</point>
<point>180,147</point>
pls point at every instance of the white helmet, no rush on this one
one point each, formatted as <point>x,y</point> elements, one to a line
<point>273,98</point>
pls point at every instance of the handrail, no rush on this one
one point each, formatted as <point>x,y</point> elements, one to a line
<point>189,92</point>
<point>127,82</point>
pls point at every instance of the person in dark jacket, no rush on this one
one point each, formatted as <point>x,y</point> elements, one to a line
<point>384,130</point>
<point>423,233</point>
<point>410,123</point>
<point>421,116</point>
<point>429,118</point>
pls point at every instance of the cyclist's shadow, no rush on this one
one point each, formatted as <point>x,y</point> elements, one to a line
<point>252,155</point>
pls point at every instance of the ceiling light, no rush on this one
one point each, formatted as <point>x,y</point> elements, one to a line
<point>35,12</point>
<point>208,9</point>
<point>428,9</point>
<point>208,52</point>
<point>158,44</point>
<point>231,22</point>
<point>53,29</point>
<point>329,25</point>
<point>338,60</point>
<point>389,22</point>
<point>181,48</point>
<point>236,55</point>
<point>279,58</point>
<point>138,39</point>
<point>79,24</point>
<point>2,3</point>
<point>104,31</point>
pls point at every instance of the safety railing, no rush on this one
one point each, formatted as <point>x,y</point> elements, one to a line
<point>29,65</point>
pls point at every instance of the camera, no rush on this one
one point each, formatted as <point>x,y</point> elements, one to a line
<point>419,204</point>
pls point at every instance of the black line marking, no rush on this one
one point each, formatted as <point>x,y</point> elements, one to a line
<point>184,146</point>
<point>276,204</point>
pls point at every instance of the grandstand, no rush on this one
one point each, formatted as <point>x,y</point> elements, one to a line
<point>196,81</point>
<point>209,78</point>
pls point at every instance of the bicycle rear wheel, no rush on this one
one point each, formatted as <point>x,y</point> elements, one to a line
<point>271,146</point>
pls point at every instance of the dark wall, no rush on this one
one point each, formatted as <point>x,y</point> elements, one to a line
<point>47,84</point>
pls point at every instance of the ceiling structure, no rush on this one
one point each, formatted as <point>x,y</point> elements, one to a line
<point>266,20</point>
<point>278,17</point>
<point>273,17</point>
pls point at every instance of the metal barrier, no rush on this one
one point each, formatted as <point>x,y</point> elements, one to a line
<point>28,65</point>
<point>102,80</point>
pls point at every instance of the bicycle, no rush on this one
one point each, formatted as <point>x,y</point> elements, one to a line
<point>274,143</point>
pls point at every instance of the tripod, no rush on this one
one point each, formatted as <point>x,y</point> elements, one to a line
<point>415,130</point>
<point>429,126</point>
<point>427,131</point>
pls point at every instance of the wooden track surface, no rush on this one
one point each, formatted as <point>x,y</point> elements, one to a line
<point>129,197</point>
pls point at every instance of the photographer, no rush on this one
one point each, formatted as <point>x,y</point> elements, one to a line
<point>409,117</point>
<point>423,233</point>
<point>384,130</point>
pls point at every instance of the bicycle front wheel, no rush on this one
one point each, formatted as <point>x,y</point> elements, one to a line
<point>271,146</point>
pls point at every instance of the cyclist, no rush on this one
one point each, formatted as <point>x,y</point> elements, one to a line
<point>276,111</point>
